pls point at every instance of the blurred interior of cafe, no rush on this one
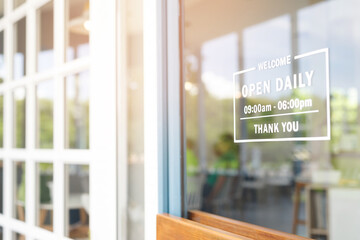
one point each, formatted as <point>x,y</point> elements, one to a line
<point>309,188</point>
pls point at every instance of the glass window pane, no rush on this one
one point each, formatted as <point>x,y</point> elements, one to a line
<point>19,101</point>
<point>17,3</point>
<point>19,190</point>
<point>1,121</point>
<point>78,27</point>
<point>1,186</point>
<point>2,58</point>
<point>1,8</point>
<point>77,111</point>
<point>18,236</point>
<point>45,51</point>
<point>19,56</point>
<point>44,114</point>
<point>45,195</point>
<point>77,201</point>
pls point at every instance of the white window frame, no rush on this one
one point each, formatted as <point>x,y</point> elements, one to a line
<point>153,111</point>
<point>102,155</point>
<point>103,120</point>
<point>163,160</point>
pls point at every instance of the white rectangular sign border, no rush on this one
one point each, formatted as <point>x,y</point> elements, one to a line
<point>322,138</point>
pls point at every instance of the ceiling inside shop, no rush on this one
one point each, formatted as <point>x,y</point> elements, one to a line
<point>206,20</point>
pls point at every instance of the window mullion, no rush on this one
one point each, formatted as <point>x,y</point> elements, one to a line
<point>8,118</point>
<point>59,130</point>
<point>30,116</point>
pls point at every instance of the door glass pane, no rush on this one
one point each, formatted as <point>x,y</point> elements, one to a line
<point>78,27</point>
<point>18,236</point>
<point>45,181</point>
<point>45,43</point>
<point>19,190</point>
<point>19,121</point>
<point>77,201</point>
<point>17,3</point>
<point>77,111</point>
<point>19,56</point>
<point>266,182</point>
<point>2,58</point>
<point>44,116</point>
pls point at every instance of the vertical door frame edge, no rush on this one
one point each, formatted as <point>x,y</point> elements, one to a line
<point>163,139</point>
<point>122,118</point>
<point>103,120</point>
<point>177,173</point>
<point>155,124</point>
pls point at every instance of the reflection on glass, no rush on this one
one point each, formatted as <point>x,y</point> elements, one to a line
<point>19,104</point>
<point>1,121</point>
<point>2,58</point>
<point>19,190</point>
<point>77,202</point>
<point>45,197</point>
<point>254,182</point>
<point>18,236</point>
<point>45,51</point>
<point>17,3</point>
<point>77,111</point>
<point>19,55</point>
<point>78,27</point>
<point>44,116</point>
<point>1,186</point>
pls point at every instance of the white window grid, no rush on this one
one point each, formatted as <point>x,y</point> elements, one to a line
<point>59,155</point>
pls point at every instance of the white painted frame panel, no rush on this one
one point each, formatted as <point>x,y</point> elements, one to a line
<point>155,118</point>
<point>122,120</point>
<point>163,165</point>
<point>103,117</point>
<point>152,77</point>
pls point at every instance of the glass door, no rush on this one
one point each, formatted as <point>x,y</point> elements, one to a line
<point>271,110</point>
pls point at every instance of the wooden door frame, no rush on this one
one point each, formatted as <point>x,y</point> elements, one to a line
<point>202,225</point>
